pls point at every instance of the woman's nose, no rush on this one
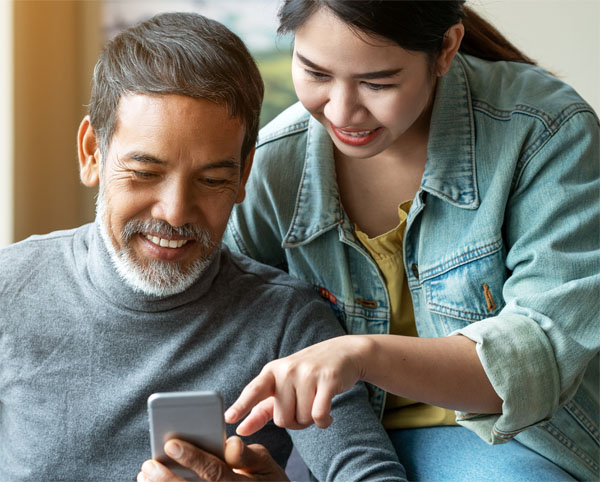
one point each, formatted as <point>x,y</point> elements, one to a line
<point>342,108</point>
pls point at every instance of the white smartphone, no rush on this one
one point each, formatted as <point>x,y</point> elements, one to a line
<point>196,417</point>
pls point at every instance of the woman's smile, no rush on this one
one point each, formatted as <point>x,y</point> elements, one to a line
<point>355,137</point>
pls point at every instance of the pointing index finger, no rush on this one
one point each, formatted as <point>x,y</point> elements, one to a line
<point>262,387</point>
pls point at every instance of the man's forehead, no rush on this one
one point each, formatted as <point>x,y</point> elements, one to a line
<point>187,122</point>
<point>135,103</point>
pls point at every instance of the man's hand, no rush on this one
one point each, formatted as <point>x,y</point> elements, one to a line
<point>242,462</point>
<point>296,391</point>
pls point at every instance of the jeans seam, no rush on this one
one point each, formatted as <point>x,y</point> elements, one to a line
<point>570,445</point>
<point>579,415</point>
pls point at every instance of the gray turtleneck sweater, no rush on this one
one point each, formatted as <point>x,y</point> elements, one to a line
<point>80,353</point>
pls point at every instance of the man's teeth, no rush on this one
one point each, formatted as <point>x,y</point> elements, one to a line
<point>166,243</point>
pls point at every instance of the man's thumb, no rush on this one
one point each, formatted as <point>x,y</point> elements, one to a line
<point>238,455</point>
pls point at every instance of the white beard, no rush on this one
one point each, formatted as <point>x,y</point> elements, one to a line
<point>153,277</point>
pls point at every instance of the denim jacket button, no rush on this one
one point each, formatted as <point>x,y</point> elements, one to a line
<point>415,270</point>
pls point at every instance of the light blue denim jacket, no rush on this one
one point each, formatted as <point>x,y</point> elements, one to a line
<point>502,244</point>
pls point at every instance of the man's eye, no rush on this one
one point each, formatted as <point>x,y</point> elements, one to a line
<point>209,181</point>
<point>143,174</point>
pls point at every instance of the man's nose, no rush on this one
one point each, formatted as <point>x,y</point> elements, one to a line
<point>174,204</point>
<point>343,108</point>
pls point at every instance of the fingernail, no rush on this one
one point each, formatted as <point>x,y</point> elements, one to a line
<point>149,467</point>
<point>230,414</point>
<point>173,449</point>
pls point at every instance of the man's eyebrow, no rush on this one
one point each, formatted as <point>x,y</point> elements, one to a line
<point>227,163</point>
<point>222,164</point>
<point>379,74</point>
<point>145,158</point>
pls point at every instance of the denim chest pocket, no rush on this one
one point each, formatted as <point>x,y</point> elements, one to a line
<point>468,286</point>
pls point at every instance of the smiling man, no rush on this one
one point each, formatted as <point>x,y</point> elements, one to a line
<point>146,299</point>
<point>173,172</point>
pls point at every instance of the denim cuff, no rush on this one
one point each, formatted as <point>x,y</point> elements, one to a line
<point>519,361</point>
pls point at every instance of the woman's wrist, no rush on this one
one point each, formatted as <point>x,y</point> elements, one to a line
<point>361,352</point>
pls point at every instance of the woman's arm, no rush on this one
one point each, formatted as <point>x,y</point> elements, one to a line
<point>296,391</point>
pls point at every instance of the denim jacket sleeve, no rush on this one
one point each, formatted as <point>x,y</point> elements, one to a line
<point>536,350</point>
<point>258,225</point>
<point>254,228</point>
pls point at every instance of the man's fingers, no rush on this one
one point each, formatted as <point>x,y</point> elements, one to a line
<point>261,387</point>
<point>253,460</point>
<point>153,471</point>
<point>258,418</point>
<point>206,465</point>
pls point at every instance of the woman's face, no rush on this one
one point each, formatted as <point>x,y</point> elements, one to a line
<point>370,94</point>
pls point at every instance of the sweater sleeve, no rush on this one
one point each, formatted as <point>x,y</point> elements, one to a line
<point>355,446</point>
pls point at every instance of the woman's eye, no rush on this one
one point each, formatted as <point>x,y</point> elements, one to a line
<point>316,75</point>
<point>372,86</point>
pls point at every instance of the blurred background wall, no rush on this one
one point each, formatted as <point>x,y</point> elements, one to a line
<point>6,130</point>
<point>48,49</point>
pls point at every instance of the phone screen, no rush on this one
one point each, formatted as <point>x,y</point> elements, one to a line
<point>196,417</point>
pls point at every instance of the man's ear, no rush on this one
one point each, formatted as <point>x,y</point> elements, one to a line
<point>89,153</point>
<point>247,166</point>
<point>452,39</point>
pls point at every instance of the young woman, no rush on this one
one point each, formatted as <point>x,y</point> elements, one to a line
<point>442,193</point>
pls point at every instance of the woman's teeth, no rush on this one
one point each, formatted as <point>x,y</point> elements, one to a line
<point>355,134</point>
<point>166,243</point>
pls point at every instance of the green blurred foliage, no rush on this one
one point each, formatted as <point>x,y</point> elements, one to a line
<point>275,68</point>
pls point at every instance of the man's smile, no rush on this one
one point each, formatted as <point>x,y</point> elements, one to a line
<point>163,249</point>
<point>166,243</point>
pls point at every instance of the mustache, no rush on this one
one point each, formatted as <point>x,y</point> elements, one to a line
<point>163,229</point>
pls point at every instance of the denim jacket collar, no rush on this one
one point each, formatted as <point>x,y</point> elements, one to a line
<point>450,172</point>
<point>318,207</point>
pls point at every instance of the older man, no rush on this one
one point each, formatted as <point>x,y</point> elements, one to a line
<point>97,318</point>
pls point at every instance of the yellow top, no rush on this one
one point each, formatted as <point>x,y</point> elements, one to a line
<point>386,250</point>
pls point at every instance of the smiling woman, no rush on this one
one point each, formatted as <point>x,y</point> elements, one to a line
<point>410,186</point>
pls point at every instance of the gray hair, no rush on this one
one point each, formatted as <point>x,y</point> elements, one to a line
<point>177,53</point>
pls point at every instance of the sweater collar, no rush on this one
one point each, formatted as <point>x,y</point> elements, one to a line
<point>108,285</point>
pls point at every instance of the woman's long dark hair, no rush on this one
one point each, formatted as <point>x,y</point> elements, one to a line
<point>413,25</point>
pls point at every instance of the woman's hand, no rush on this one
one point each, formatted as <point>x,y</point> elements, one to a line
<point>296,391</point>
<point>242,462</point>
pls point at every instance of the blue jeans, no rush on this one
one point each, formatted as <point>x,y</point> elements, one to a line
<point>455,453</point>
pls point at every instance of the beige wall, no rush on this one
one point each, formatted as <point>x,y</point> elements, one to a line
<point>55,47</point>
<point>563,36</point>
<point>6,125</point>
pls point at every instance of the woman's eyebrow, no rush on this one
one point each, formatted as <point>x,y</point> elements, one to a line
<point>378,74</point>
